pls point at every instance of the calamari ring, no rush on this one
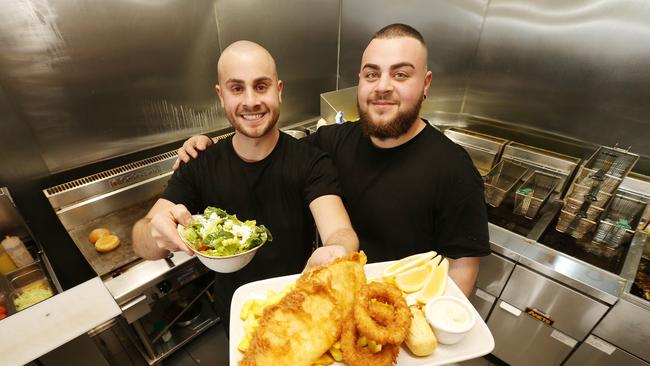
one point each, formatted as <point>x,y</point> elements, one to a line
<point>355,356</point>
<point>393,331</point>
<point>381,312</point>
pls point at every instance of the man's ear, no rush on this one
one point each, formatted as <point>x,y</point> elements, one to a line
<point>427,81</point>
<point>280,90</point>
<point>218,89</point>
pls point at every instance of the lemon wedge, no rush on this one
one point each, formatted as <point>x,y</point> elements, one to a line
<point>407,263</point>
<point>436,283</point>
<point>414,279</point>
<point>107,243</point>
<point>436,261</point>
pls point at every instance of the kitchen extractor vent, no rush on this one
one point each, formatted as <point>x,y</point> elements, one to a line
<point>61,188</point>
<point>122,177</point>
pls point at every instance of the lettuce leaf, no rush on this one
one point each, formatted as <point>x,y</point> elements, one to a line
<point>220,233</point>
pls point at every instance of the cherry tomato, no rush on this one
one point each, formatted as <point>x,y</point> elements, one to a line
<point>3,309</point>
<point>203,248</point>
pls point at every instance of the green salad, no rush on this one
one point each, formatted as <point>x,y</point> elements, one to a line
<point>31,297</point>
<point>217,233</point>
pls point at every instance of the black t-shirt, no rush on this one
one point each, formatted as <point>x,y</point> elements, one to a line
<point>422,195</point>
<point>275,191</point>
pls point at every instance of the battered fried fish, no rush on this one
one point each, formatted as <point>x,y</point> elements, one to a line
<point>309,319</point>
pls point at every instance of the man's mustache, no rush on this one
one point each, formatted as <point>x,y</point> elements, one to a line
<point>382,100</point>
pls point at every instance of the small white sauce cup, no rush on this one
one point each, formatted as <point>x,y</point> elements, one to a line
<point>444,333</point>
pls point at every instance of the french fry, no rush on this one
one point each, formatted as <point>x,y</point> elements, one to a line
<point>257,308</point>
<point>325,359</point>
<point>362,341</point>
<point>337,354</point>
<point>245,342</point>
<point>245,310</point>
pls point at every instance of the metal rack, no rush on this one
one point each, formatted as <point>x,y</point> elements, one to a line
<point>533,193</point>
<point>573,206</point>
<point>501,180</point>
<point>619,222</point>
<point>484,150</point>
<point>592,189</point>
<point>536,159</point>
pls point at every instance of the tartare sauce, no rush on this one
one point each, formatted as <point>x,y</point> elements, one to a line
<point>449,315</point>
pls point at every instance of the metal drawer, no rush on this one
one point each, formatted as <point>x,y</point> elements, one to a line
<point>571,312</point>
<point>634,320</point>
<point>493,274</point>
<point>596,352</point>
<point>521,340</point>
<point>482,302</point>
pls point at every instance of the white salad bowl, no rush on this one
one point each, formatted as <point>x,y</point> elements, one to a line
<point>224,264</point>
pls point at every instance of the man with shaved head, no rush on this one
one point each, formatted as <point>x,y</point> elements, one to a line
<point>258,174</point>
<point>408,188</point>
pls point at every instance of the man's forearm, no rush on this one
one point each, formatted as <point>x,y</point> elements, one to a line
<point>346,238</point>
<point>464,272</point>
<point>143,244</point>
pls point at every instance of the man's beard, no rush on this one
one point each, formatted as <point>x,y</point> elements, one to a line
<point>393,129</point>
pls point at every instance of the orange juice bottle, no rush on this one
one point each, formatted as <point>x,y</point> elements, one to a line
<point>17,251</point>
<point>6,263</point>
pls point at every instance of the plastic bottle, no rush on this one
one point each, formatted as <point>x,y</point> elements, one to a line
<point>6,263</point>
<point>17,251</point>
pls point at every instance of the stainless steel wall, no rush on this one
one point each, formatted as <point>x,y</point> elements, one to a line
<point>88,80</point>
<point>301,35</point>
<point>20,160</point>
<point>94,79</point>
<point>450,28</point>
<point>576,68</point>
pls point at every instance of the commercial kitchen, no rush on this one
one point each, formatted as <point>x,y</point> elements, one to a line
<point>549,99</point>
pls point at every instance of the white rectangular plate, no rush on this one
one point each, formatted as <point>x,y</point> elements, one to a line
<point>477,342</point>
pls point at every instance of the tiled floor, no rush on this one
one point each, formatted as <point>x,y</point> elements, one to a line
<point>476,362</point>
<point>208,349</point>
<point>211,349</point>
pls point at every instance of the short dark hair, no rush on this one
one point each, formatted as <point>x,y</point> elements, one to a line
<point>399,30</point>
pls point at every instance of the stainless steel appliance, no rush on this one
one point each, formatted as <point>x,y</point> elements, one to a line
<point>554,298</point>
<point>539,321</point>
<point>155,296</point>
<point>621,338</point>
<point>622,335</point>
<point>483,149</point>
<point>495,271</point>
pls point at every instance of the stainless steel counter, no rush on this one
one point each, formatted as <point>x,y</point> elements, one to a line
<point>143,275</point>
<point>584,277</point>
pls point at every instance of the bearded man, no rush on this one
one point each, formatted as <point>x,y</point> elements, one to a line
<point>407,187</point>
